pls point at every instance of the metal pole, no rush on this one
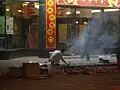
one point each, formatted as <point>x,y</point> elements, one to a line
<point>5,26</point>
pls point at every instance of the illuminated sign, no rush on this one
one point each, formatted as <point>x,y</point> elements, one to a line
<point>95,3</point>
<point>50,31</point>
<point>52,17</point>
<point>51,24</point>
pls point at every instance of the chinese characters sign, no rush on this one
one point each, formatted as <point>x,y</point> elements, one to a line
<point>9,25</point>
<point>51,24</point>
<point>95,3</point>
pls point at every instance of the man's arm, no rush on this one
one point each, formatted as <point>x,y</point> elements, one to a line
<point>64,61</point>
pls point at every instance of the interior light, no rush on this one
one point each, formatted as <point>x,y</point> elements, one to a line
<point>77,12</point>
<point>68,13</point>
<point>37,5</point>
<point>85,22</point>
<point>105,10</point>
<point>95,11</point>
<point>111,10</point>
<point>59,12</point>
<point>19,11</point>
<point>76,22</point>
<point>27,2</point>
<point>7,10</point>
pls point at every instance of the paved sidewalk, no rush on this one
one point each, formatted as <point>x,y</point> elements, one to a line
<point>74,60</point>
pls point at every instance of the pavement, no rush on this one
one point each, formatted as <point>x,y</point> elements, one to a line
<point>109,81</point>
<point>72,60</point>
<point>64,82</point>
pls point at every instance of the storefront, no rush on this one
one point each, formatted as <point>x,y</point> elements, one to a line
<point>55,21</point>
<point>73,16</point>
<point>19,29</point>
<point>20,17</point>
<point>50,24</point>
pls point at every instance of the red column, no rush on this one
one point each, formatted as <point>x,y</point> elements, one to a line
<point>51,24</point>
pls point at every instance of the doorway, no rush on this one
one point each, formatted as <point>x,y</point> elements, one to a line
<point>71,22</point>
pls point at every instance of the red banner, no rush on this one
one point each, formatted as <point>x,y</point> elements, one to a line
<point>51,24</point>
<point>93,3</point>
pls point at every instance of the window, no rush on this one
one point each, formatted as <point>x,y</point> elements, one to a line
<point>23,19</point>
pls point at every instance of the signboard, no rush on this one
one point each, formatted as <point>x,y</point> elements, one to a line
<point>2,25</point>
<point>51,24</point>
<point>21,0</point>
<point>9,25</point>
<point>95,3</point>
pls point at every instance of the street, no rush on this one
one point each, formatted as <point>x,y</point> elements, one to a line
<point>65,82</point>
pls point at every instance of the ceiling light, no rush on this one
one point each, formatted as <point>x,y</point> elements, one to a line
<point>68,13</point>
<point>111,10</point>
<point>106,10</point>
<point>27,2</point>
<point>95,11</point>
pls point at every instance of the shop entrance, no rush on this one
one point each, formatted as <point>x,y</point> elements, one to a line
<point>73,21</point>
<point>69,28</point>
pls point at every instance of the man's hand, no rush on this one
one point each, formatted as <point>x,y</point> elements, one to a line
<point>67,64</point>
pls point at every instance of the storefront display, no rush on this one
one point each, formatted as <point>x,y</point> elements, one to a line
<point>52,9</point>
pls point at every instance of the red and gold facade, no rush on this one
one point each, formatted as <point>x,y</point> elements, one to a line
<point>51,14</point>
<point>51,24</point>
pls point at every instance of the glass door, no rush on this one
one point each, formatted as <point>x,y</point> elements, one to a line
<point>66,31</point>
<point>65,25</point>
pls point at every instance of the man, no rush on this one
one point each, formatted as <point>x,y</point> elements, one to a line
<point>56,56</point>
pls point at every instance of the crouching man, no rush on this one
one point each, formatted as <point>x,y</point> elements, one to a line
<point>56,56</point>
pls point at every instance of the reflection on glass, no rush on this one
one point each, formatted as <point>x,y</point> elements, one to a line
<point>22,21</point>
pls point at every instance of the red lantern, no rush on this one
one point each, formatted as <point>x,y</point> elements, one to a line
<point>31,9</point>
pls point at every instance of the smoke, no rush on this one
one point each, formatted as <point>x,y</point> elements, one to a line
<point>100,33</point>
